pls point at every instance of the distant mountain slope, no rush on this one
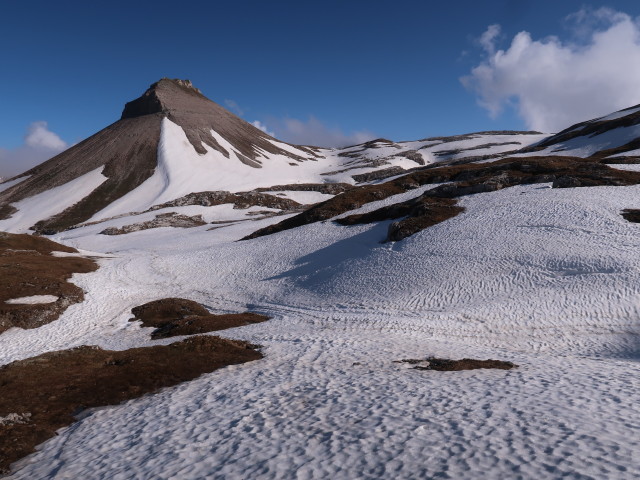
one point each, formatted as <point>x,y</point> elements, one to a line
<point>614,134</point>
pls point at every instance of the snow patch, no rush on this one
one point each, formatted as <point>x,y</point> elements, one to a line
<point>32,300</point>
<point>50,202</point>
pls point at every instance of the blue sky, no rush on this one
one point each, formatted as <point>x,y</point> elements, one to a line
<point>332,70</point>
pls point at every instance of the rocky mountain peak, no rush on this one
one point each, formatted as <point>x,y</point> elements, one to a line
<point>164,96</point>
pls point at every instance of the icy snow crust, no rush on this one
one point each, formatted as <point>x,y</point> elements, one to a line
<point>546,278</point>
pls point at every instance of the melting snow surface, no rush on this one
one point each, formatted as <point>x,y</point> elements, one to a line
<point>546,278</point>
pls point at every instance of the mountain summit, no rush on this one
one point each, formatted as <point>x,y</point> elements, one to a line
<point>185,105</point>
<point>162,97</point>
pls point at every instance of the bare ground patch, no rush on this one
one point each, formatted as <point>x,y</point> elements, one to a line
<point>632,215</point>
<point>446,365</point>
<point>42,394</point>
<point>27,269</point>
<point>170,219</point>
<point>173,317</point>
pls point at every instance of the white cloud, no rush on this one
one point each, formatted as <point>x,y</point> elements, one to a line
<point>39,136</point>
<point>488,38</point>
<point>40,144</point>
<point>314,132</point>
<point>261,126</point>
<point>554,84</point>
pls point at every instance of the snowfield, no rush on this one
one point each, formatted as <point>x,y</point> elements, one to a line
<point>546,278</point>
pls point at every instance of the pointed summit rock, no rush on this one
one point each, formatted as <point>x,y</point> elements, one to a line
<point>161,97</point>
<point>185,105</point>
<point>121,157</point>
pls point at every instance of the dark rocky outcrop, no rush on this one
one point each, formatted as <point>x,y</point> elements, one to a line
<point>632,215</point>
<point>178,316</point>
<point>378,174</point>
<point>328,188</point>
<point>420,213</point>
<point>447,365</point>
<point>170,219</point>
<point>239,200</point>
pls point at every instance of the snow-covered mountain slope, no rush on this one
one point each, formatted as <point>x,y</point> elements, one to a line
<point>173,141</point>
<point>537,266</point>
<point>613,135</point>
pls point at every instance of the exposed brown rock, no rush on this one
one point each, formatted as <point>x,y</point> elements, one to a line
<point>42,394</point>
<point>420,213</point>
<point>170,219</point>
<point>241,200</point>
<point>328,188</point>
<point>446,365</point>
<point>378,174</point>
<point>178,316</point>
<point>126,149</point>
<point>632,215</point>
<point>197,115</point>
<point>27,268</point>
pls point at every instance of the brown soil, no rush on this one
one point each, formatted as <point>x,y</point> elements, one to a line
<point>170,219</point>
<point>466,179</point>
<point>28,268</point>
<point>42,394</point>
<point>632,214</point>
<point>446,365</point>
<point>178,316</point>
